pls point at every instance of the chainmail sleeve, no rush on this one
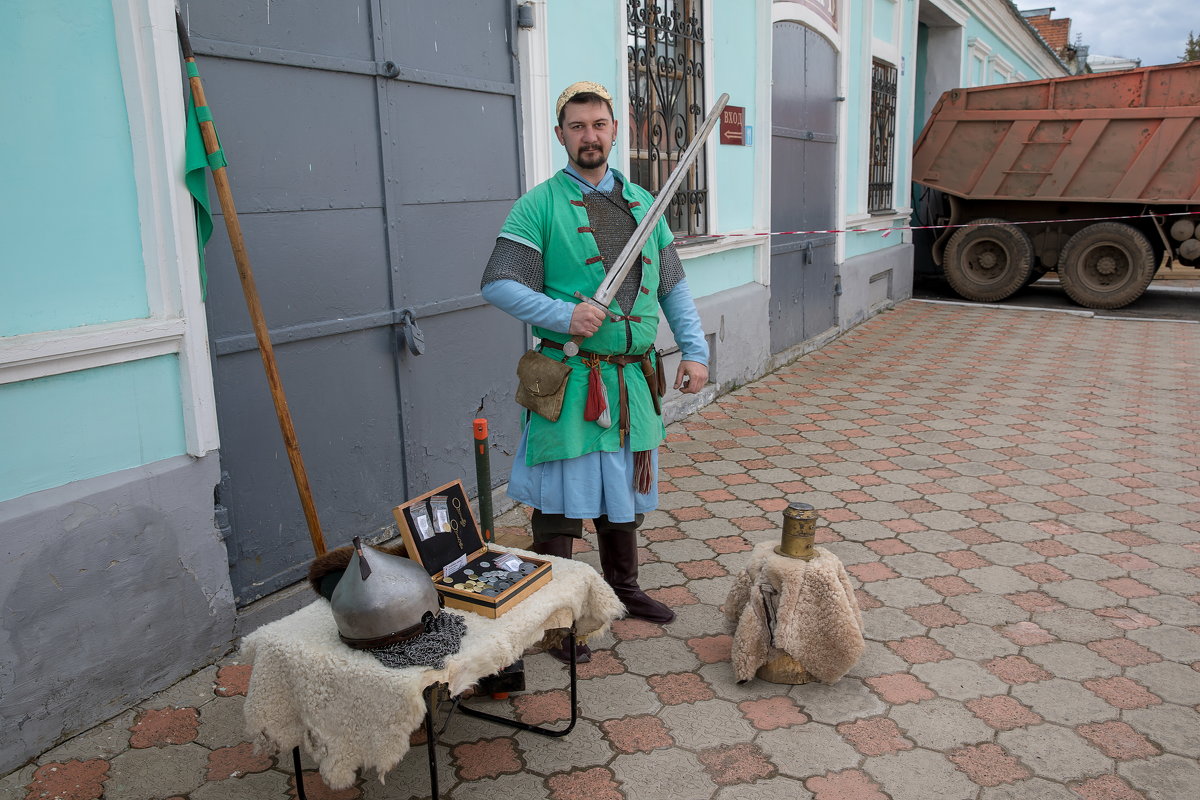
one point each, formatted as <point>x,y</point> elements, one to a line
<point>670,270</point>
<point>514,261</point>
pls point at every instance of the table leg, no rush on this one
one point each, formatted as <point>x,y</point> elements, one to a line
<point>512,723</point>
<point>299,775</point>
<point>431,693</point>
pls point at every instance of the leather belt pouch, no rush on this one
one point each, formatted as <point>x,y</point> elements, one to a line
<point>542,384</point>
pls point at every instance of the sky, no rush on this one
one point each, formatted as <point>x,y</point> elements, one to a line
<point>1153,30</point>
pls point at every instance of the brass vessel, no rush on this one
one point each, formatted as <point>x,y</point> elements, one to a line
<point>799,531</point>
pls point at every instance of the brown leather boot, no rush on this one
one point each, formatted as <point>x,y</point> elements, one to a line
<point>619,563</point>
<point>563,547</point>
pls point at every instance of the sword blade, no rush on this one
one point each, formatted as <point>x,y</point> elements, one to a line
<point>633,248</point>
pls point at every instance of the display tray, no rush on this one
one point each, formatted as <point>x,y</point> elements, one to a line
<point>441,534</point>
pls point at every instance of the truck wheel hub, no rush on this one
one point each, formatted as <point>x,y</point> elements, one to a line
<point>1106,265</point>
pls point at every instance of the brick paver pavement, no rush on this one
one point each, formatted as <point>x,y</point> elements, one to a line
<point>1017,495</point>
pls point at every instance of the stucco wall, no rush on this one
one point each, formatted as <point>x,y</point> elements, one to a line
<point>873,282</point>
<point>112,588</point>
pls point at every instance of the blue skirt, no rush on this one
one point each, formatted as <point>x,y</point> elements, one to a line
<point>590,486</point>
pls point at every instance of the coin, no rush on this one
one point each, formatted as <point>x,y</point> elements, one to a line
<point>491,592</point>
<point>485,563</point>
<point>503,585</point>
<point>468,572</point>
<point>460,586</point>
<point>448,580</point>
<point>527,568</point>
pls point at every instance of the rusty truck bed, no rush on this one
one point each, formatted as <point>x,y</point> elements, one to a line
<point>1129,137</point>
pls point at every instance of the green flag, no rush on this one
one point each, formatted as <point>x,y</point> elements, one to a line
<point>196,162</point>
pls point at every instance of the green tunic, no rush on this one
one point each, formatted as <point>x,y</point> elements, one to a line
<point>552,219</point>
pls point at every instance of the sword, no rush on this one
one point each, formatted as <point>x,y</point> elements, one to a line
<point>633,248</point>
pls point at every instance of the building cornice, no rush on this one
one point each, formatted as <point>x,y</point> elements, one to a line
<point>1006,21</point>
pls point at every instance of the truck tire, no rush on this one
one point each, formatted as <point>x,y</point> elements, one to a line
<point>1106,265</point>
<point>988,261</point>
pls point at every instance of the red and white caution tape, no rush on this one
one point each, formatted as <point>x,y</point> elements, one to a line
<point>885,232</point>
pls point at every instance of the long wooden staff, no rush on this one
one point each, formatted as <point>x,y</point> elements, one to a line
<point>242,259</point>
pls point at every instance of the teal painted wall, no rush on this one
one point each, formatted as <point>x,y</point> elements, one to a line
<point>858,116</point>
<point>734,42</point>
<point>883,21</point>
<point>734,37</point>
<point>906,100</point>
<point>580,41</point>
<point>858,244</point>
<point>68,211</point>
<point>977,29</point>
<point>72,253</point>
<point>719,271</point>
<point>920,112</point>
<point>80,425</point>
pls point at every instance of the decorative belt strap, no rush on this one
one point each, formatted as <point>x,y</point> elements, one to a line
<point>619,360</point>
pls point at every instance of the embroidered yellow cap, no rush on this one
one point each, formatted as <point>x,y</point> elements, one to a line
<point>580,87</point>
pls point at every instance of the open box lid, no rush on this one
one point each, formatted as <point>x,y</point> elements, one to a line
<point>441,548</point>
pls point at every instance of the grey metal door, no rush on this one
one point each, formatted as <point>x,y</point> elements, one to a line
<point>374,152</point>
<point>803,191</point>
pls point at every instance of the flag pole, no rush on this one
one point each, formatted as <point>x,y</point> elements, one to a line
<point>212,148</point>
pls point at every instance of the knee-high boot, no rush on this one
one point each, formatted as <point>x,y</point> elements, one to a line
<point>619,562</point>
<point>563,547</point>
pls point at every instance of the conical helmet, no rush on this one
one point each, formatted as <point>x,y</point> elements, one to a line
<point>383,600</point>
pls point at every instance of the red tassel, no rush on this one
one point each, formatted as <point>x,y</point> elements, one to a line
<point>597,399</point>
<point>643,473</point>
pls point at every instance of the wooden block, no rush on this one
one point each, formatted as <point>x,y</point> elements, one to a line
<point>783,669</point>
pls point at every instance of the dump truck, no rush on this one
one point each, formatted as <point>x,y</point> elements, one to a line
<point>1096,177</point>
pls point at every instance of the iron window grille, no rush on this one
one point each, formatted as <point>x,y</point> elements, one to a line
<point>880,187</point>
<point>666,103</point>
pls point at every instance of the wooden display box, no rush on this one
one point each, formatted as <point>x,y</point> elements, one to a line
<point>439,550</point>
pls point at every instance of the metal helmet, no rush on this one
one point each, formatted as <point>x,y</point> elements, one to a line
<point>382,601</point>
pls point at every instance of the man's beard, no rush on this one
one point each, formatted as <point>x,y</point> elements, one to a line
<point>592,158</point>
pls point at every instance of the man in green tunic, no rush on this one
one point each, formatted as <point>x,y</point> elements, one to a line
<point>561,238</point>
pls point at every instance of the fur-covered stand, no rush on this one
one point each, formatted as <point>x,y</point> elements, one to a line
<point>817,621</point>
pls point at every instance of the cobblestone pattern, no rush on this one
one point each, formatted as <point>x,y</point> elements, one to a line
<point>1017,498</point>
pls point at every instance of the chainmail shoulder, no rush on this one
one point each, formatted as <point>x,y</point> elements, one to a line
<point>613,224</point>
<point>515,262</point>
<point>442,638</point>
<point>670,270</point>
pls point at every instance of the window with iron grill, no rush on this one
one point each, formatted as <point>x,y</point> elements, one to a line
<point>666,103</point>
<point>880,189</point>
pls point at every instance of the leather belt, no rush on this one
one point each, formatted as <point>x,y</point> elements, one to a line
<point>622,361</point>
<point>619,360</point>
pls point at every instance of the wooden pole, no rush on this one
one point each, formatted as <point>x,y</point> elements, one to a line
<point>246,274</point>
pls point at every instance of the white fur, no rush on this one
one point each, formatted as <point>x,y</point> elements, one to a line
<point>349,711</point>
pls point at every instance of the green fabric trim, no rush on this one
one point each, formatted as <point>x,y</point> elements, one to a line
<point>546,217</point>
<point>204,114</point>
<point>216,160</point>
<point>193,71</point>
<point>196,163</point>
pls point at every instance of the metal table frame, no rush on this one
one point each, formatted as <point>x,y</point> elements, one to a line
<point>431,693</point>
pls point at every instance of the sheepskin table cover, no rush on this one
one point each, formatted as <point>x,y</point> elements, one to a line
<point>349,711</point>
<point>818,622</point>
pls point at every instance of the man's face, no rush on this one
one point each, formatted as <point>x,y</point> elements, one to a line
<point>588,132</point>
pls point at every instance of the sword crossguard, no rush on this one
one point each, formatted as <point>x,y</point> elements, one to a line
<point>594,302</point>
